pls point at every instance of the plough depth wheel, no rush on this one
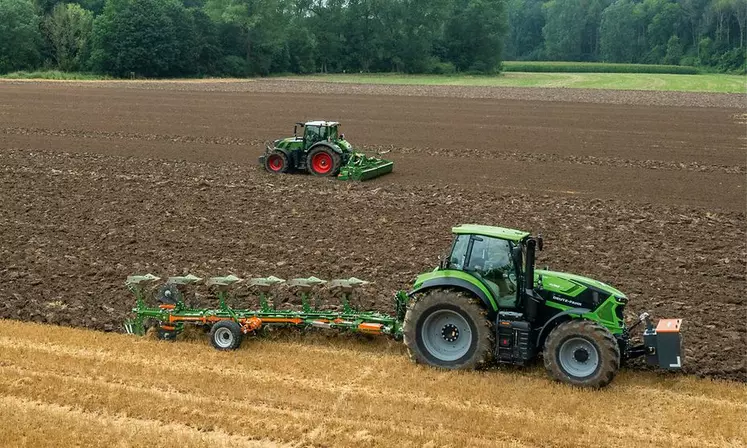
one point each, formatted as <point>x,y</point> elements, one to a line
<point>226,335</point>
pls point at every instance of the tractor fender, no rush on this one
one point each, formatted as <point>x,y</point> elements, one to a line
<point>329,145</point>
<point>456,283</point>
<point>283,150</point>
<point>555,320</point>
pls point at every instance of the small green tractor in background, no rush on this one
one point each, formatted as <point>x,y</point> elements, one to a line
<point>484,303</point>
<point>324,152</point>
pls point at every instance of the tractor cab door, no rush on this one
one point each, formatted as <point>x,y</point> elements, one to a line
<point>491,260</point>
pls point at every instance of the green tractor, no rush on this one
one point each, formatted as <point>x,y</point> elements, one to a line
<point>486,302</point>
<point>324,152</point>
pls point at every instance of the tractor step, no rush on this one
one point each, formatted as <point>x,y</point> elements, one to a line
<point>514,339</point>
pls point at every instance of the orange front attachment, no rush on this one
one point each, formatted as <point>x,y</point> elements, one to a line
<point>669,326</point>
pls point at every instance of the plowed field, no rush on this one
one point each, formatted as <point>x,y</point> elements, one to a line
<point>644,191</point>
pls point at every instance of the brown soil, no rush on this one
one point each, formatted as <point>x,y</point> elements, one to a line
<point>101,182</point>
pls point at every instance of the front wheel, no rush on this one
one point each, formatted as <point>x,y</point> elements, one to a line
<point>276,162</point>
<point>448,329</point>
<point>582,353</point>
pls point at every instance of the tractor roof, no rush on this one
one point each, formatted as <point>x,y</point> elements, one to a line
<point>321,123</point>
<point>495,232</point>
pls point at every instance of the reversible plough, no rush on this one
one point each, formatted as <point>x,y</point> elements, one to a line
<point>228,324</point>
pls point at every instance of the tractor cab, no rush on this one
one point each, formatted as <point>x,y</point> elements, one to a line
<point>317,131</point>
<point>494,256</point>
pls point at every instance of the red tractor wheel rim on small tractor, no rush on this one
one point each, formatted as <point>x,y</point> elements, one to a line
<point>275,162</point>
<point>321,163</point>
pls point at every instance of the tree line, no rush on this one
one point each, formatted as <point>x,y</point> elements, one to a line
<point>685,32</point>
<point>170,38</point>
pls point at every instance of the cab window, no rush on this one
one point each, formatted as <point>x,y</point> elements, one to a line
<point>458,252</point>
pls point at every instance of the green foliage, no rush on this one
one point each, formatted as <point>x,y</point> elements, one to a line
<point>144,38</point>
<point>594,67</point>
<point>165,38</point>
<point>208,49</point>
<point>301,50</point>
<point>733,61</point>
<point>525,20</point>
<point>68,30</point>
<point>565,21</point>
<point>674,51</point>
<point>233,66</point>
<point>56,75</point>
<point>19,35</point>
<point>617,26</point>
<point>474,35</point>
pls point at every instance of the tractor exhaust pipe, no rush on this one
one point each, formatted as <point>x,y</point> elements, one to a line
<point>532,299</point>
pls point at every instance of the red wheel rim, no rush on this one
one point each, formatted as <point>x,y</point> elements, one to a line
<point>275,162</point>
<point>321,163</point>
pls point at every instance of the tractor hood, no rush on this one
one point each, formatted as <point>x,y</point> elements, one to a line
<point>563,282</point>
<point>288,141</point>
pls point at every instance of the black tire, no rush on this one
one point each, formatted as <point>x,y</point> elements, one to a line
<point>276,162</point>
<point>226,335</point>
<point>331,165</point>
<point>582,353</point>
<point>448,314</point>
<point>166,335</point>
<point>168,294</point>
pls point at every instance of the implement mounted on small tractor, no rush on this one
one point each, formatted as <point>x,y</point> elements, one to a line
<point>323,152</point>
<point>484,303</point>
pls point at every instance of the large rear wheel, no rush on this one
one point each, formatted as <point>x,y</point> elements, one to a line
<point>448,329</point>
<point>323,161</point>
<point>582,353</point>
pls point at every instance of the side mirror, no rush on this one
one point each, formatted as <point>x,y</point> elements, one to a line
<point>295,131</point>
<point>539,242</point>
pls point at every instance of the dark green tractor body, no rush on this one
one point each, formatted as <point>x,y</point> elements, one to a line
<point>576,322</point>
<point>322,151</point>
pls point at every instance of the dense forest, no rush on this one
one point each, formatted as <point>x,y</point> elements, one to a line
<point>170,38</point>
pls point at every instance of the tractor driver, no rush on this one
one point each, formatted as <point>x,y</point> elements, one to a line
<point>313,134</point>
